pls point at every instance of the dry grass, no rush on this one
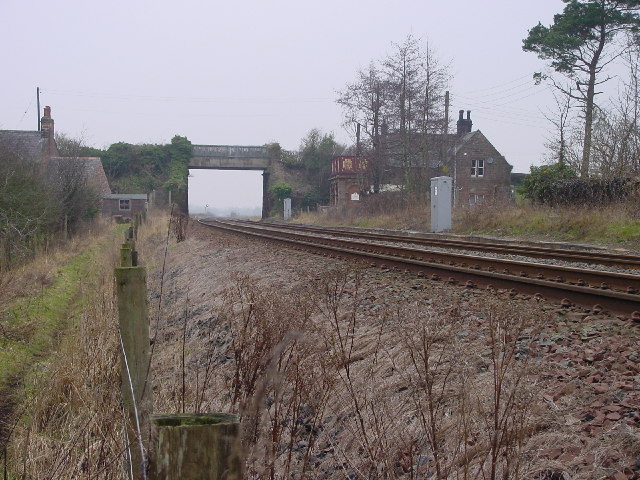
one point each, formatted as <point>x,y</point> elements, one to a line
<point>67,419</point>
<point>336,375</point>
<point>392,211</point>
<point>340,374</point>
<point>327,389</point>
<point>616,225</point>
<point>29,279</point>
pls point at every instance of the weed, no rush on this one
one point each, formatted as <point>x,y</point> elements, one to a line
<point>68,403</point>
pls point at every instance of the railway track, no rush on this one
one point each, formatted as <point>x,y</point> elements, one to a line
<point>596,290</point>
<point>593,256</point>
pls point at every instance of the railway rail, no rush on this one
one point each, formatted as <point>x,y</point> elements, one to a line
<point>591,256</point>
<point>596,290</point>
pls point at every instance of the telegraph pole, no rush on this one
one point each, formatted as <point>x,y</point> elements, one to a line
<point>446,112</point>
<point>38,101</point>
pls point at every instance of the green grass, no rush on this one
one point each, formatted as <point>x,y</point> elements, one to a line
<point>625,232</point>
<point>32,326</point>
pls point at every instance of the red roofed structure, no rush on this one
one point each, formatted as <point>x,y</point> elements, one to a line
<point>348,179</point>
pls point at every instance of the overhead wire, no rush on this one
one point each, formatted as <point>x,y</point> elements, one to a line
<point>497,99</point>
<point>520,86</point>
<point>500,85</point>
<point>513,97</point>
<point>497,114</point>
<point>25,112</point>
<point>176,115</point>
<point>506,107</point>
<point>512,121</point>
<point>167,98</point>
<point>506,111</point>
<point>507,114</point>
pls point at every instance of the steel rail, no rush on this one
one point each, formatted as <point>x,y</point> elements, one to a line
<point>626,303</point>
<point>612,259</point>
<point>605,280</point>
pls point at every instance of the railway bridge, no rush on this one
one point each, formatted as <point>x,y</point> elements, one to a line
<point>235,157</point>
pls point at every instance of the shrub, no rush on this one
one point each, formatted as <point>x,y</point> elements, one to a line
<point>557,184</point>
<point>281,190</point>
<point>539,186</point>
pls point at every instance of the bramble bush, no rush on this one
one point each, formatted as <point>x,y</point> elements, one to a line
<point>558,185</point>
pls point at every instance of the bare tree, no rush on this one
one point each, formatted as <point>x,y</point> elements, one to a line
<point>76,198</point>
<point>71,187</point>
<point>616,135</point>
<point>364,102</point>
<point>25,210</point>
<point>403,69</point>
<point>69,146</point>
<point>560,118</point>
<point>404,95</point>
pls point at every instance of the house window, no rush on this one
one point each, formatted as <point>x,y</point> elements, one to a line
<point>124,204</point>
<point>477,168</point>
<point>476,199</point>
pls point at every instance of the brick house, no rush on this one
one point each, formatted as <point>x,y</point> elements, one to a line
<point>480,173</point>
<point>32,145</point>
<point>40,148</point>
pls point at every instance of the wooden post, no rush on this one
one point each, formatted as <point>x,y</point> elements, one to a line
<point>136,225</point>
<point>126,255</point>
<point>203,447</point>
<point>134,332</point>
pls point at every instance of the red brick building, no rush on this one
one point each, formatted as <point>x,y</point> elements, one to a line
<point>348,179</point>
<point>480,173</point>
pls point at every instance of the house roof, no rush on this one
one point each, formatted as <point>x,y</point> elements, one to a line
<point>26,144</point>
<point>462,140</point>
<point>437,149</point>
<point>91,166</point>
<point>433,148</point>
<point>126,196</point>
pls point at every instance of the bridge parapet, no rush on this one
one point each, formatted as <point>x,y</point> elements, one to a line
<point>230,151</point>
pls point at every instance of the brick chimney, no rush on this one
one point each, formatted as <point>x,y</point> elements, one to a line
<point>464,126</point>
<point>47,131</point>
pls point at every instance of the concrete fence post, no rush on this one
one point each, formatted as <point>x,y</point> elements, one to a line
<point>136,224</point>
<point>128,236</point>
<point>126,255</point>
<point>202,447</point>
<point>134,334</point>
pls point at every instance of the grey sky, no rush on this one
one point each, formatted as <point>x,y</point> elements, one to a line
<point>251,72</point>
<point>225,190</point>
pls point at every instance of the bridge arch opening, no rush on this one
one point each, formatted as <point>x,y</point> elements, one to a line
<point>232,158</point>
<point>225,193</point>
